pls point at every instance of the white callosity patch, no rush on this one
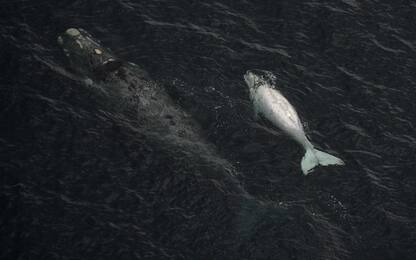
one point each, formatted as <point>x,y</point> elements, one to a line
<point>79,44</point>
<point>72,32</point>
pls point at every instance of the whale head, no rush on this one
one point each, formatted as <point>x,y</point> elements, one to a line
<point>86,55</point>
<point>257,78</point>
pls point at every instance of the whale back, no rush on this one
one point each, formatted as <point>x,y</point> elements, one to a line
<point>270,102</point>
<point>276,108</point>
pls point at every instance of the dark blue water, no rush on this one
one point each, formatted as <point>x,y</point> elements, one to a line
<point>79,181</point>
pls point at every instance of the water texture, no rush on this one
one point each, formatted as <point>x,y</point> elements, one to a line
<point>80,180</point>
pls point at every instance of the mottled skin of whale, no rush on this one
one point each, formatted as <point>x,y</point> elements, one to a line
<point>130,90</point>
<point>271,104</point>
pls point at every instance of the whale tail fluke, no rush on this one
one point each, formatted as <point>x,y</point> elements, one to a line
<point>313,157</point>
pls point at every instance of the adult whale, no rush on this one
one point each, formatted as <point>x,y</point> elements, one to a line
<point>126,87</point>
<point>270,103</point>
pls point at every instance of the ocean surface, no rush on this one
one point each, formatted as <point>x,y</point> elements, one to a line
<point>80,181</point>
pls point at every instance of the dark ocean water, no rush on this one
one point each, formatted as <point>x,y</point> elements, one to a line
<point>79,181</point>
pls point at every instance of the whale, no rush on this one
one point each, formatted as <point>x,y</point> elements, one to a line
<point>127,89</point>
<point>269,103</point>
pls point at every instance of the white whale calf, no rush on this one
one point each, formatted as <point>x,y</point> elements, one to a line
<point>274,107</point>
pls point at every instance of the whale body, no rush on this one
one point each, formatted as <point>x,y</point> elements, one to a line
<point>274,107</point>
<point>126,88</point>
